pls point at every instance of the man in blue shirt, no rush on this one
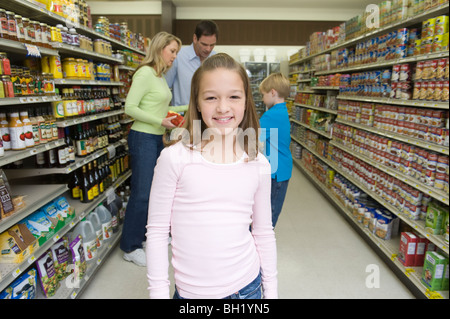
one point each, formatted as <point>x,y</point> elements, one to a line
<point>276,137</point>
<point>189,60</point>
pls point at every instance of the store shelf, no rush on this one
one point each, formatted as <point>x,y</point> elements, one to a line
<point>79,162</point>
<point>325,134</point>
<point>435,193</point>
<point>73,290</point>
<point>20,48</point>
<point>388,248</point>
<point>402,138</point>
<point>8,272</point>
<point>76,51</point>
<point>325,88</point>
<point>443,9</point>
<point>127,68</point>
<point>86,82</point>
<point>25,100</point>
<point>418,225</point>
<point>12,156</point>
<point>385,64</point>
<point>416,103</point>
<point>34,11</point>
<point>35,196</point>
<point>322,109</point>
<point>87,118</point>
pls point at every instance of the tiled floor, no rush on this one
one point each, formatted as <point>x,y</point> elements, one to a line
<point>320,256</point>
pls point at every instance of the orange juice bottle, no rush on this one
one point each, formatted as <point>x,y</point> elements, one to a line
<point>16,131</point>
<point>4,131</point>
<point>27,129</point>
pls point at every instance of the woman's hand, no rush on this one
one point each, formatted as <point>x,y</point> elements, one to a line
<point>166,122</point>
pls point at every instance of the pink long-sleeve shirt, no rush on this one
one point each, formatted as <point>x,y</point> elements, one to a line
<point>208,208</point>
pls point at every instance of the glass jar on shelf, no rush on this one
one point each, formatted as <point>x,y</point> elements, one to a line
<point>19,28</point>
<point>4,29</point>
<point>12,31</point>
<point>7,86</point>
<point>26,30</point>
<point>5,65</point>
<point>49,83</point>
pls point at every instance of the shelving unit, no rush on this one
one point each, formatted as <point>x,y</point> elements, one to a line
<point>39,195</point>
<point>387,249</point>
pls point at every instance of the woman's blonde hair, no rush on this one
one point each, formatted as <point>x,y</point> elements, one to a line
<point>154,54</point>
<point>250,119</point>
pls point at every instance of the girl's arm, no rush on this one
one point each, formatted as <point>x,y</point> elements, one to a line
<point>158,227</point>
<point>264,234</point>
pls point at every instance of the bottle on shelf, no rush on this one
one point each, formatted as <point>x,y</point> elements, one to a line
<point>51,158</point>
<point>16,132</point>
<point>80,142</point>
<point>86,194</point>
<point>68,139</point>
<point>75,186</point>
<point>27,129</point>
<point>42,127</point>
<point>34,125</point>
<point>40,160</point>
<point>97,177</point>
<point>93,181</point>
<point>4,131</point>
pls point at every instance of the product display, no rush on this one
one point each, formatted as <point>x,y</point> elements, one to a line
<point>385,161</point>
<point>61,115</point>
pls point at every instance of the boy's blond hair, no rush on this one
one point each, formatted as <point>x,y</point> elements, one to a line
<point>278,82</point>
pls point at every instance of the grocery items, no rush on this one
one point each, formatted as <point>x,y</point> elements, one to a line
<point>60,254</point>
<point>178,120</point>
<point>105,218</point>
<point>86,231</point>
<point>78,258</point>
<point>24,287</point>
<point>97,225</point>
<point>47,274</point>
<point>433,271</point>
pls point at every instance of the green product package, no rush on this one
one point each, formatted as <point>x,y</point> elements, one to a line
<point>433,270</point>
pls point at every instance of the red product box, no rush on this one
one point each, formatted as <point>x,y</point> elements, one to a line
<point>421,249</point>
<point>407,251</point>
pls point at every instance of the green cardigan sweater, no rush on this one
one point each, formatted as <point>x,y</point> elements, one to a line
<point>148,101</point>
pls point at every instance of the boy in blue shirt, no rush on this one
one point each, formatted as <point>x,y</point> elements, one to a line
<point>276,137</point>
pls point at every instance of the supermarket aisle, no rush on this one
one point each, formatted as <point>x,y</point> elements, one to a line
<point>319,256</point>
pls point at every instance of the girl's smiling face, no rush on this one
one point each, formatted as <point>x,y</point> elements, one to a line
<point>221,100</point>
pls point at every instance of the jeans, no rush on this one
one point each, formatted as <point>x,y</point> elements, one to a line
<point>278,193</point>
<point>144,150</point>
<point>251,291</point>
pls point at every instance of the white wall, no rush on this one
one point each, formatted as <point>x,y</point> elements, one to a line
<point>125,7</point>
<point>257,13</point>
<point>282,53</point>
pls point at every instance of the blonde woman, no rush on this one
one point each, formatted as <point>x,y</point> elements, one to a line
<point>148,103</point>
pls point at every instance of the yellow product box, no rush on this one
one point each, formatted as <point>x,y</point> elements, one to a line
<point>441,25</point>
<point>16,244</point>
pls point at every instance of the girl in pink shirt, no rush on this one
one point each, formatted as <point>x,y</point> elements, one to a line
<point>210,185</point>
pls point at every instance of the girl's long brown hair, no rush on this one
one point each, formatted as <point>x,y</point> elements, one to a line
<point>250,119</point>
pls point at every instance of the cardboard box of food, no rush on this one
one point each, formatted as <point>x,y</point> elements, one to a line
<point>17,244</point>
<point>433,270</point>
<point>407,251</point>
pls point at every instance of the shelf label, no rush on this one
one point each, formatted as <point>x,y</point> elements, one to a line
<point>16,272</point>
<point>31,260</point>
<point>433,294</point>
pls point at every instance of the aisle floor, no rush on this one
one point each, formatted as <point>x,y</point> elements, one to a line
<point>320,256</point>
